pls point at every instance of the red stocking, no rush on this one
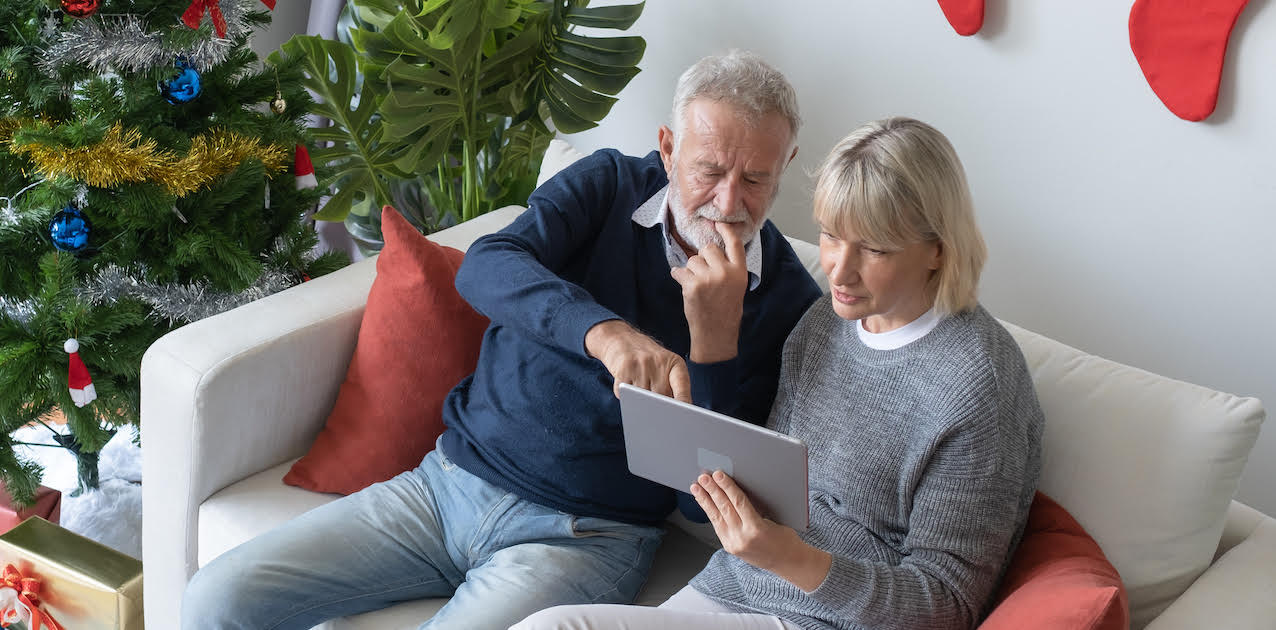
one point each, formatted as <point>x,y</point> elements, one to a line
<point>1180,46</point>
<point>966,16</point>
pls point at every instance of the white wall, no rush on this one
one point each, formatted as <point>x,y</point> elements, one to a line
<point>1113,225</point>
<point>288,19</point>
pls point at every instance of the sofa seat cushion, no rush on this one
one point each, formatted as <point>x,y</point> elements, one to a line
<point>263,501</point>
<point>1146,464</point>
<point>1238,590</point>
<point>251,507</point>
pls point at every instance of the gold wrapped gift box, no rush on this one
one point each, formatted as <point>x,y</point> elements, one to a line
<point>83,584</point>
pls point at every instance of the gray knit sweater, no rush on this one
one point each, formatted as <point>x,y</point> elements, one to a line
<point>923,462</point>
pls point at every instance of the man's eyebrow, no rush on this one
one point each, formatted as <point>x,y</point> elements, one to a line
<point>714,166</point>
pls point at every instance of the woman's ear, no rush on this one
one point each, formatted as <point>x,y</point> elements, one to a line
<point>937,257</point>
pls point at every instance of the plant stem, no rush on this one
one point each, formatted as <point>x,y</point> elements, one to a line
<point>471,176</point>
<point>471,153</point>
<point>445,185</point>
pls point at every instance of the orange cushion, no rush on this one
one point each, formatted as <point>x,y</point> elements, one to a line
<point>1058,578</point>
<point>418,339</point>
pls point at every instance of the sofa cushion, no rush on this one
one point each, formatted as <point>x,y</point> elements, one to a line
<point>558,156</point>
<point>1147,464</point>
<point>417,340</point>
<point>1237,591</point>
<point>809,254</point>
<point>1058,579</point>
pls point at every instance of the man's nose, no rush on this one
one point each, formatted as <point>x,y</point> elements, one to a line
<point>729,198</point>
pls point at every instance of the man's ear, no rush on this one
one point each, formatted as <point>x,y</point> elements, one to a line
<point>664,138</point>
<point>791,156</point>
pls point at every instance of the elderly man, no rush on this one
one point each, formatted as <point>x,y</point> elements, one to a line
<point>659,271</point>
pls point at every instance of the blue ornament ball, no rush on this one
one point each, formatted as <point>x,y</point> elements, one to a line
<point>183,88</point>
<point>69,230</point>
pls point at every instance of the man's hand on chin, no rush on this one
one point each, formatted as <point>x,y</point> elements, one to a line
<point>713,286</point>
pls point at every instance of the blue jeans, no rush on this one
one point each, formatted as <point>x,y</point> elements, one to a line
<point>436,531</point>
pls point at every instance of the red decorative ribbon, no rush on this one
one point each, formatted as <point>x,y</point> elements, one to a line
<point>28,590</point>
<point>195,12</point>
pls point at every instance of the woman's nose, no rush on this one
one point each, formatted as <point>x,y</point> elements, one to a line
<point>845,270</point>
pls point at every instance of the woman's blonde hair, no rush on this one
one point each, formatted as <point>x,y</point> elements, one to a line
<point>898,181</point>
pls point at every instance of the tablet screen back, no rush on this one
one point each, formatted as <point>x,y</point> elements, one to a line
<point>672,442</point>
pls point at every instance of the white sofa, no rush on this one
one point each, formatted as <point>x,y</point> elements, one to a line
<point>1147,464</point>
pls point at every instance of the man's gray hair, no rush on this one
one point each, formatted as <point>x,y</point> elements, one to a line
<point>738,78</point>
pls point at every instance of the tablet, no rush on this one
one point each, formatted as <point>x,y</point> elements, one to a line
<point>671,442</point>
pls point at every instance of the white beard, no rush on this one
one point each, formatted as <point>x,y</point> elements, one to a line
<point>696,228</point>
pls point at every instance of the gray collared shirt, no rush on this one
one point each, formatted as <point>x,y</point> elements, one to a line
<point>654,212</point>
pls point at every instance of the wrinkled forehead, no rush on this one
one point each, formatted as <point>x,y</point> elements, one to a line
<point>717,137</point>
<point>705,114</point>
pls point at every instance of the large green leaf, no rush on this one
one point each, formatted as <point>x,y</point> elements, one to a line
<point>619,17</point>
<point>375,14</point>
<point>442,99</point>
<point>461,92</point>
<point>397,41</point>
<point>605,51</point>
<point>514,175</point>
<point>574,73</point>
<point>358,164</point>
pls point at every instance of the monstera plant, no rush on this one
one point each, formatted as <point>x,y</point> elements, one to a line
<point>444,108</point>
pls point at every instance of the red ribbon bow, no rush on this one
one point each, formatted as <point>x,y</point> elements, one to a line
<point>195,12</point>
<point>28,589</point>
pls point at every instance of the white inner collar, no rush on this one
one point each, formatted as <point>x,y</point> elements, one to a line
<point>902,336</point>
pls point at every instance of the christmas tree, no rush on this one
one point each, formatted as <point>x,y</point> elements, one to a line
<point>147,180</point>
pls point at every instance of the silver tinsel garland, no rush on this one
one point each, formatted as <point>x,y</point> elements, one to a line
<point>8,216</point>
<point>118,44</point>
<point>19,311</point>
<point>178,302</point>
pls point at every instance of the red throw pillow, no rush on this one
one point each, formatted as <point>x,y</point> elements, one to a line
<point>418,339</point>
<point>1058,578</point>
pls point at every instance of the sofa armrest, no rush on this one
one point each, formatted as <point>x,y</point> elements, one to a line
<point>1237,591</point>
<point>232,395</point>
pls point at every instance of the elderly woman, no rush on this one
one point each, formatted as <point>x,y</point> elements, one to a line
<point>919,414</point>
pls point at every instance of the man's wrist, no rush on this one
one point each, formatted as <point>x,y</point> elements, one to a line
<point>722,345</point>
<point>600,336</point>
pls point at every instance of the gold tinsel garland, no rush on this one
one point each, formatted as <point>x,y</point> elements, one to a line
<point>125,156</point>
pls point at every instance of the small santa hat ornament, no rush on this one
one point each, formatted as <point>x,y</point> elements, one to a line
<point>77,376</point>
<point>304,170</point>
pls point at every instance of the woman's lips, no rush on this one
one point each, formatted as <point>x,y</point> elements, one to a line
<point>845,298</point>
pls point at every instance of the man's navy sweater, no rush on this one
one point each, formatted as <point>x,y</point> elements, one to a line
<point>538,416</point>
